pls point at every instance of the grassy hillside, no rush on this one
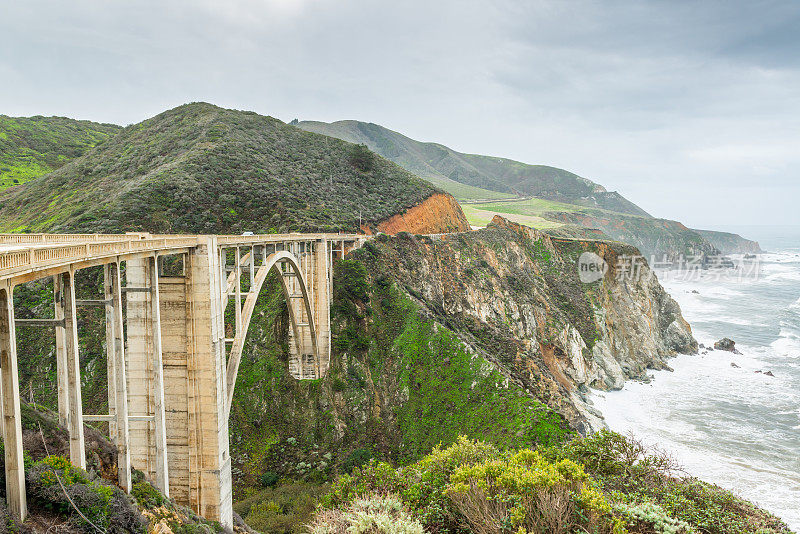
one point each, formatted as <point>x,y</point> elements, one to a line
<point>202,169</point>
<point>443,165</point>
<point>655,238</point>
<point>33,146</point>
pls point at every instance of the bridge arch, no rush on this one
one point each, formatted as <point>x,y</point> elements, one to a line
<point>285,264</point>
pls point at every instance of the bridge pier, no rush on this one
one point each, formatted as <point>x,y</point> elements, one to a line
<point>77,448</point>
<point>12,416</point>
<point>210,484</point>
<point>144,371</point>
<point>118,424</point>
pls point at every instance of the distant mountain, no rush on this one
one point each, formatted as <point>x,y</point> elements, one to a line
<point>577,202</point>
<point>33,146</point>
<point>729,243</point>
<point>199,168</point>
<point>445,166</point>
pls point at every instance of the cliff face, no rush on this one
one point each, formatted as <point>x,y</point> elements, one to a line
<point>655,238</point>
<point>440,213</point>
<point>730,243</point>
<point>489,334</point>
<point>513,294</point>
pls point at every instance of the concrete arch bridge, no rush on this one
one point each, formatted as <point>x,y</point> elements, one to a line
<point>172,356</point>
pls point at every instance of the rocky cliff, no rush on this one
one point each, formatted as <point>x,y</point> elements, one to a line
<point>655,238</point>
<point>489,334</point>
<point>729,243</point>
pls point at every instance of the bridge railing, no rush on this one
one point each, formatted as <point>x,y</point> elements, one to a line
<point>44,256</point>
<point>228,240</point>
<point>61,238</point>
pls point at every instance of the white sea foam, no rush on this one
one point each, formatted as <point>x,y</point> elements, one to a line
<point>734,426</point>
<point>787,345</point>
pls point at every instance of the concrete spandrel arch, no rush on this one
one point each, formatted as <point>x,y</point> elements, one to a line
<point>273,263</point>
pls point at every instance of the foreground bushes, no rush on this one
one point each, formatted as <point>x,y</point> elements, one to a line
<point>605,484</point>
<point>282,509</point>
<point>473,487</point>
<point>368,515</point>
<point>55,484</point>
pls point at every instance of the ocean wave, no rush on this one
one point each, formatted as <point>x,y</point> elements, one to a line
<point>787,345</point>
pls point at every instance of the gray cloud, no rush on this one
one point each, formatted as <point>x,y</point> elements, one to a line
<point>691,109</point>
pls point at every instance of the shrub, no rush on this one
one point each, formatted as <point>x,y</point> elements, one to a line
<point>472,485</point>
<point>7,523</point>
<point>101,506</point>
<point>269,479</point>
<point>524,491</point>
<point>621,463</point>
<point>712,510</point>
<point>284,509</point>
<point>376,514</point>
<point>361,158</point>
<point>146,495</point>
<point>357,458</point>
<point>653,516</point>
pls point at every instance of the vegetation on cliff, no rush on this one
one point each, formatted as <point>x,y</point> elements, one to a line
<point>33,146</point>
<point>203,169</point>
<point>65,498</point>
<point>601,484</point>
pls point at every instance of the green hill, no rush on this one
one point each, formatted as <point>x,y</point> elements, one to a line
<point>450,169</point>
<point>32,146</point>
<point>199,168</point>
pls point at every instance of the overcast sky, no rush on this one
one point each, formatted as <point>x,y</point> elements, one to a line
<point>690,109</point>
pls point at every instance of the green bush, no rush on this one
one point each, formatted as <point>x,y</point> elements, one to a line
<point>362,158</point>
<point>284,509</point>
<point>357,458</point>
<point>472,486</point>
<point>638,479</point>
<point>146,495</point>
<point>269,479</point>
<point>55,484</point>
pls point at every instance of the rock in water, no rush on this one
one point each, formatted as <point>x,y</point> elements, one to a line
<point>734,365</point>
<point>725,344</point>
<point>769,373</point>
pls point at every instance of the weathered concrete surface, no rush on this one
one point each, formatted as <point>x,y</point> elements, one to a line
<point>168,383</point>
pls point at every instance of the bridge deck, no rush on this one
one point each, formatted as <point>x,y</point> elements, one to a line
<point>22,254</point>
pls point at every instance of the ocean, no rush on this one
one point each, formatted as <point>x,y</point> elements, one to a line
<point>731,425</point>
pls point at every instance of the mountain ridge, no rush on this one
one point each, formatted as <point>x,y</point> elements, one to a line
<point>199,168</point>
<point>503,175</point>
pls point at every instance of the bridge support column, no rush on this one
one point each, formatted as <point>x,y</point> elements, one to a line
<point>61,352</point>
<point>148,443</point>
<point>117,379</point>
<point>77,450</point>
<point>322,301</point>
<point>12,416</point>
<point>211,491</point>
<point>194,385</point>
